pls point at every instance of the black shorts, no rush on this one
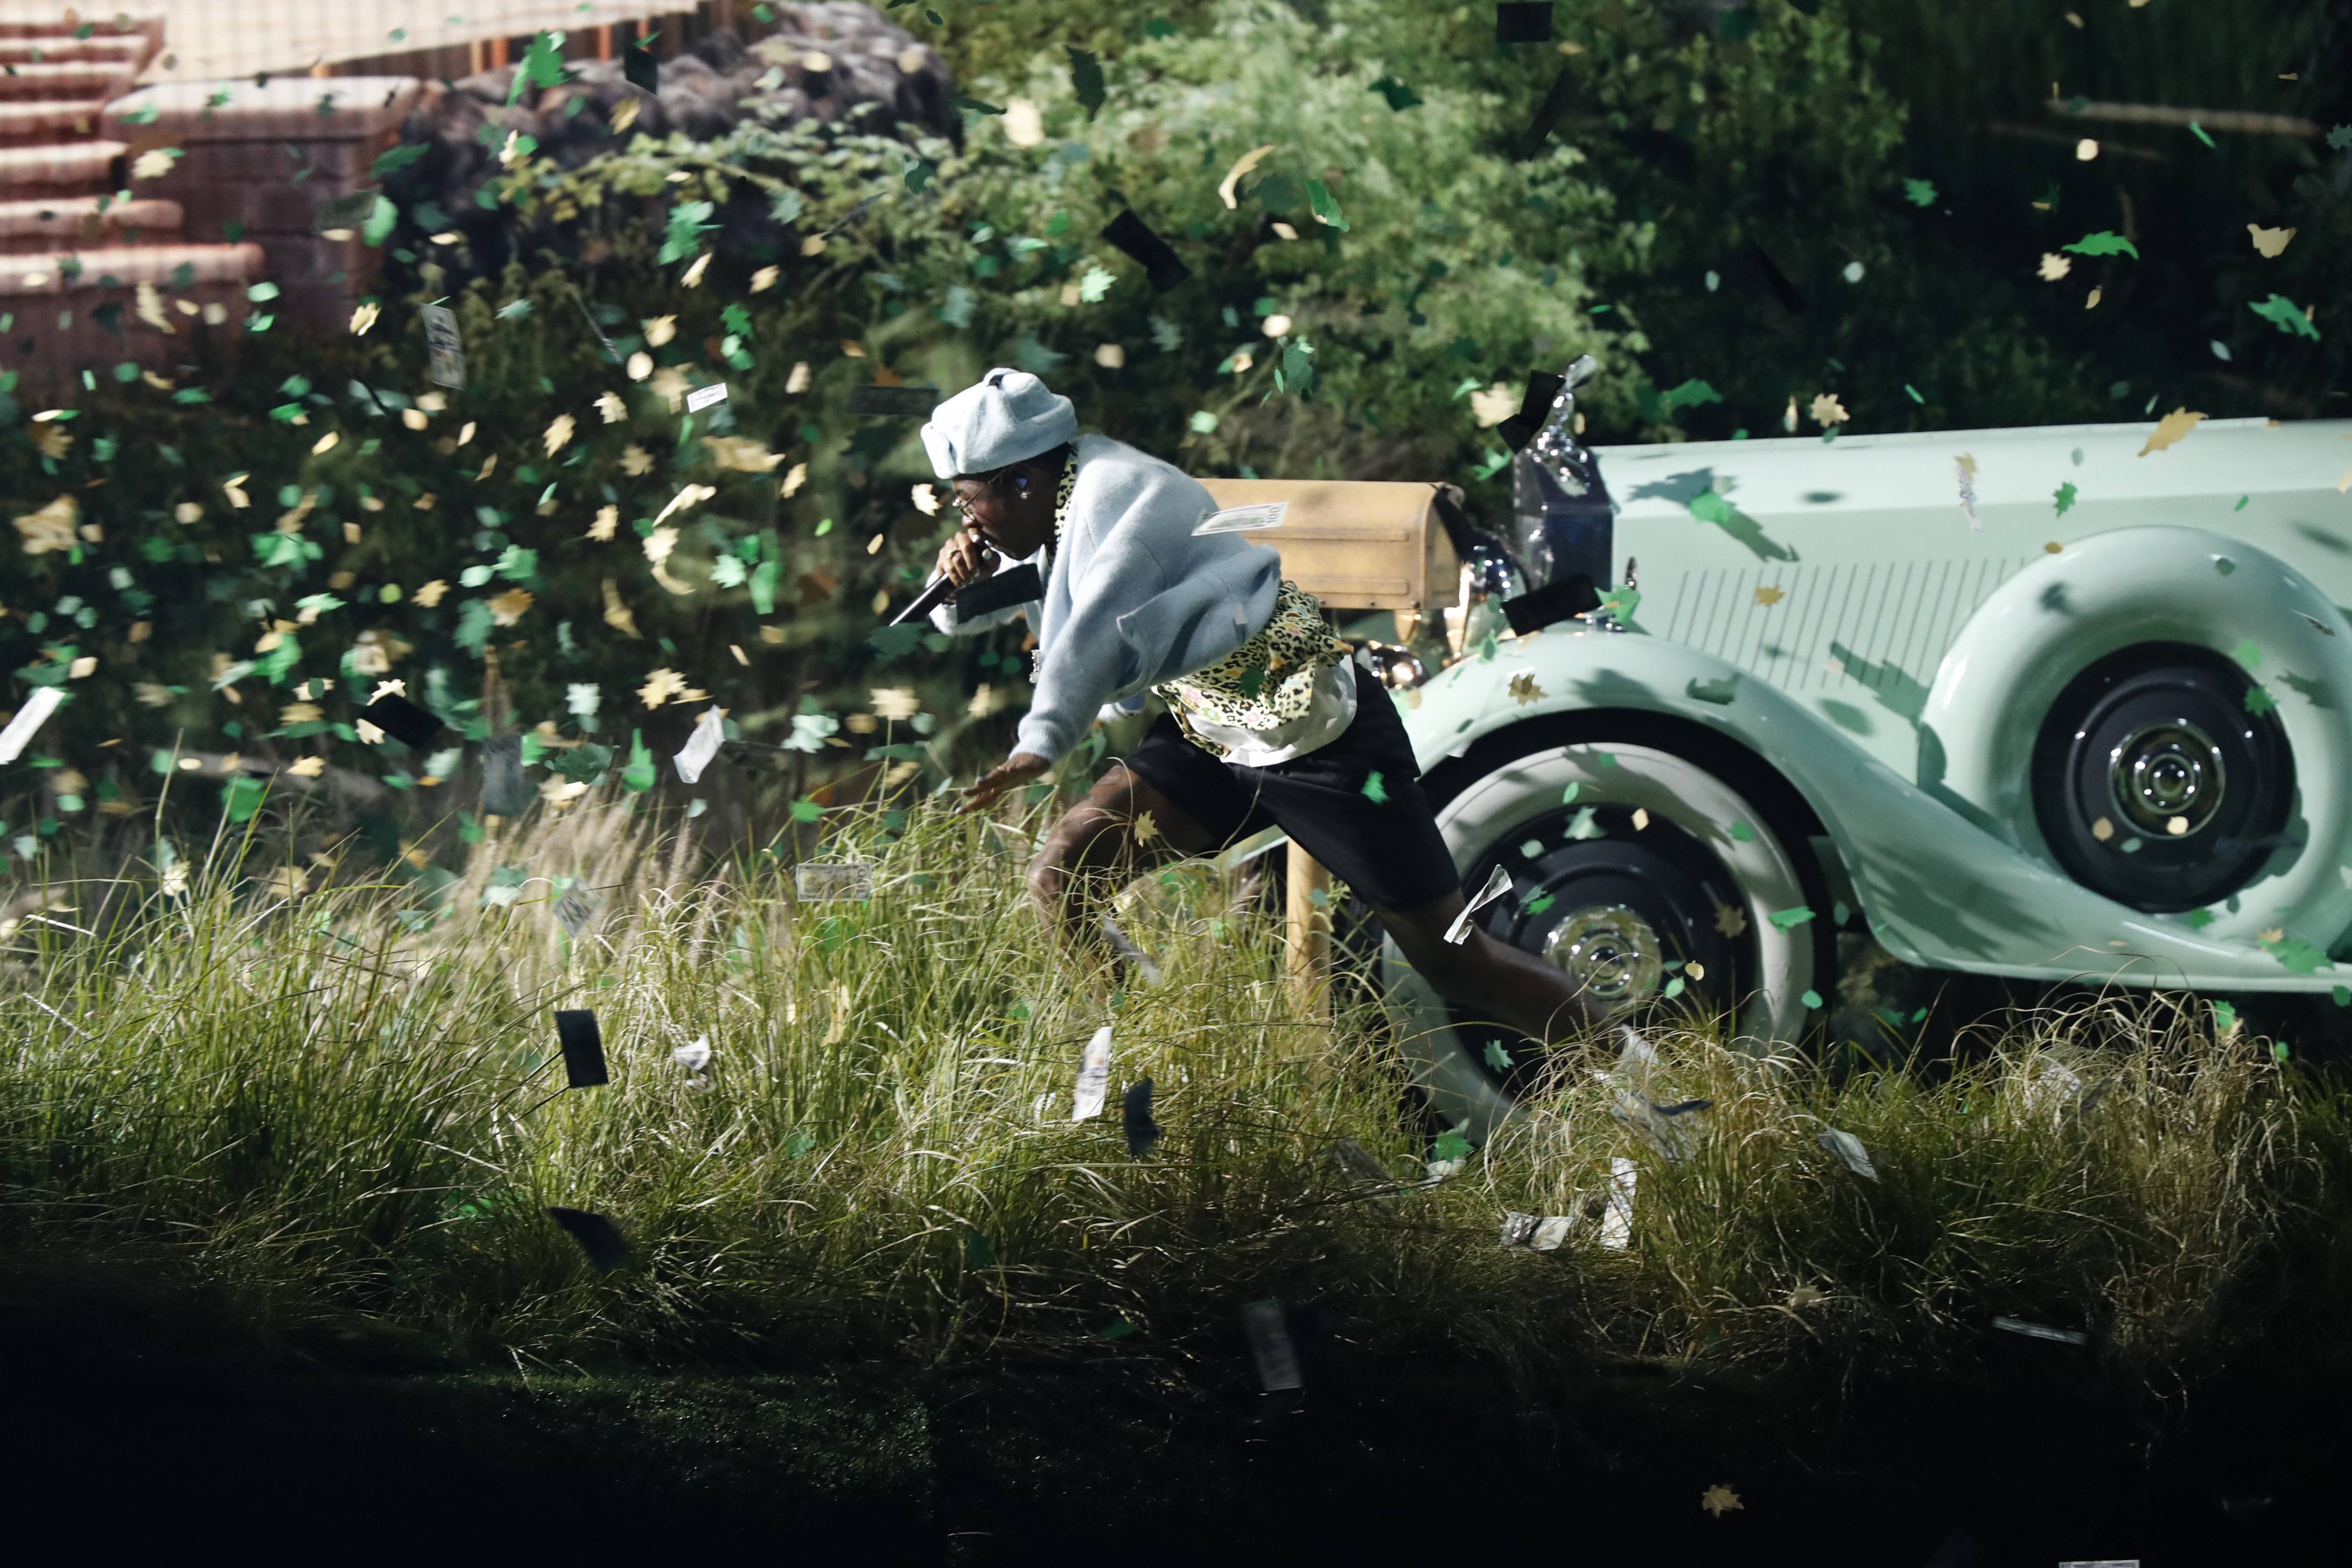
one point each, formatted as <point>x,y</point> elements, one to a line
<point>1389,852</point>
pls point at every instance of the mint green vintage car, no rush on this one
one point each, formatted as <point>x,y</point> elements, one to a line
<point>2060,703</point>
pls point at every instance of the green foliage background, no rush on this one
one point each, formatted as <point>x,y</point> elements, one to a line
<point>1457,255</point>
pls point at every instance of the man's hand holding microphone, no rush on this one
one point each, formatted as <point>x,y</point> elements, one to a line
<point>966,557</point>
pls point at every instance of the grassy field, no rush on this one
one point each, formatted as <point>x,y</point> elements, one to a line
<point>340,1098</point>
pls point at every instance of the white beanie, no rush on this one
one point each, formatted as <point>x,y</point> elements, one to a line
<point>1004,417</point>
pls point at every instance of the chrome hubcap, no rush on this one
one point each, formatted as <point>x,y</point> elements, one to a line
<point>1610,949</point>
<point>2164,773</point>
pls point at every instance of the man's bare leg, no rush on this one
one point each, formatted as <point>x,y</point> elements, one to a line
<point>1513,986</point>
<point>1093,852</point>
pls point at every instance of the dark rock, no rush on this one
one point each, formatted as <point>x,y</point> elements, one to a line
<point>706,93</point>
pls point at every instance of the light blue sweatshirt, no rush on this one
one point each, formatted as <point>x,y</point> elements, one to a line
<point>1134,598</point>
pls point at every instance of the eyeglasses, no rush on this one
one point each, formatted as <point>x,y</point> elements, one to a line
<point>987,481</point>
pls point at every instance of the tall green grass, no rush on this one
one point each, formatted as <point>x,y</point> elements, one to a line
<point>348,1100</point>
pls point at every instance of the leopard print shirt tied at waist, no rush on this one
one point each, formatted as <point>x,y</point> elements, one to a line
<point>1269,680</point>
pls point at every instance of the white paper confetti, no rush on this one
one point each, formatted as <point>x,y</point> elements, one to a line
<point>709,733</point>
<point>1094,1077</point>
<point>1498,884</point>
<point>2042,1332</point>
<point>1617,1219</point>
<point>576,908</point>
<point>821,881</point>
<point>702,397</point>
<point>1534,1232</point>
<point>695,1057</point>
<point>35,714</point>
<point>448,358</point>
<point>1848,1148</point>
<point>1269,1338</point>
<point>1243,519</point>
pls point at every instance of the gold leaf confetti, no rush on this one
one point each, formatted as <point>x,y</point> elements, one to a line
<point>635,460</point>
<point>1827,410</point>
<point>51,528</point>
<point>1493,406</point>
<point>2269,241</point>
<point>1719,1500</point>
<point>1695,970</point>
<point>364,317</point>
<point>874,547</point>
<point>1111,356</point>
<point>507,608</point>
<point>617,616</point>
<point>1145,829</point>
<point>690,496</point>
<point>926,499</point>
<point>660,685</point>
<point>799,380</point>
<point>659,330</point>
<point>1789,420</point>
<point>557,435</point>
<point>368,734</point>
<point>610,405</point>
<point>2103,830</point>
<point>896,703</point>
<point>307,767</point>
<point>1242,165</point>
<point>765,278</point>
<point>641,366</point>
<point>2171,429</point>
<point>430,595</point>
<point>415,418</point>
<point>2176,826</point>
<point>150,311</point>
<point>2267,937</point>
<point>659,543</point>
<point>741,454</point>
<point>624,113</point>
<point>693,278</point>
<point>2054,266</point>
<point>1640,817</point>
<point>608,518</point>
<point>812,245</point>
<point>53,441</point>
<point>1730,920</point>
<point>2093,302</point>
<point>1769,596</point>
<point>1523,688</point>
<point>796,478</point>
<point>2087,149</point>
<point>153,163</point>
<point>1805,1296</point>
<point>1024,124</point>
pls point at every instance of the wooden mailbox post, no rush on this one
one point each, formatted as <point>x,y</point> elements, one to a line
<point>1356,545</point>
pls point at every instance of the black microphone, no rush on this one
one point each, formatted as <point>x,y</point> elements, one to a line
<point>920,606</point>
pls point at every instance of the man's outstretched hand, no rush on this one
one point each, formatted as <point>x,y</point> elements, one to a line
<point>1017,769</point>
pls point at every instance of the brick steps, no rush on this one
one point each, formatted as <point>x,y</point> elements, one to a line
<point>74,80</point>
<point>66,168</point>
<point>127,267</point>
<point>146,34</point>
<point>68,221</point>
<point>22,124</point>
<point>63,49</point>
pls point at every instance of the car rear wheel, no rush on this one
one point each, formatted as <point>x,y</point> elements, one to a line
<point>1641,872</point>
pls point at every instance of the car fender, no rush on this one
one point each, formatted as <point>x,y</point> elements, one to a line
<point>1937,889</point>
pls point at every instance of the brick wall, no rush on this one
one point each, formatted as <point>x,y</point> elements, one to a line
<point>257,167</point>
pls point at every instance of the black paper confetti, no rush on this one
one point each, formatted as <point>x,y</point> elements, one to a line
<point>505,792</point>
<point>639,67</point>
<point>1547,116</point>
<point>1535,407</point>
<point>1554,602</point>
<point>402,720</point>
<point>1776,280</point>
<point>1142,1133</point>
<point>1133,236</point>
<point>583,1047</point>
<point>1014,585</point>
<point>598,1236</point>
<point>894,402</point>
<point>1523,22</point>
